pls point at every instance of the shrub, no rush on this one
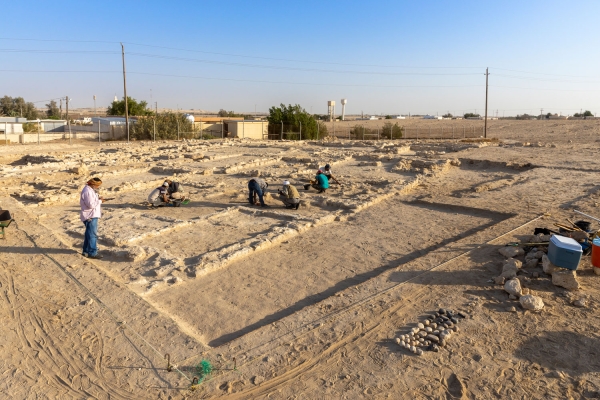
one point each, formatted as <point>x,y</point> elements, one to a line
<point>392,131</point>
<point>31,127</point>
<point>166,127</point>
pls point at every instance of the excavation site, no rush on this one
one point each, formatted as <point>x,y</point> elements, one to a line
<point>426,270</point>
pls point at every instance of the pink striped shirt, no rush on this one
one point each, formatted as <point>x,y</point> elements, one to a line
<point>90,204</point>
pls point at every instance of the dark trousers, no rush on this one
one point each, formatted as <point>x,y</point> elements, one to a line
<point>255,190</point>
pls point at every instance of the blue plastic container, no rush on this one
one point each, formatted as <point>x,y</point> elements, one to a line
<point>564,252</point>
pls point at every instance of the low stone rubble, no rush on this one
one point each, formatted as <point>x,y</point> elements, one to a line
<point>432,333</point>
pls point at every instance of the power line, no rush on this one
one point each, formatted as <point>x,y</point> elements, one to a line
<point>557,90</point>
<point>285,59</point>
<point>292,68</point>
<point>46,51</point>
<point>59,40</point>
<point>543,80</point>
<point>542,73</point>
<point>246,80</point>
<point>294,60</point>
<point>236,55</point>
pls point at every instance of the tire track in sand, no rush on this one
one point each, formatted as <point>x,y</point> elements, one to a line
<point>48,356</point>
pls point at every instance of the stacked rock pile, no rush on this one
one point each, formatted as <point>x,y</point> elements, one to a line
<point>432,333</point>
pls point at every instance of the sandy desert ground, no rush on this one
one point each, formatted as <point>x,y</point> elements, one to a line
<point>302,304</point>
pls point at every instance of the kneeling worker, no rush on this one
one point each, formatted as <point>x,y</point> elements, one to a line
<point>256,187</point>
<point>289,195</point>
<point>175,190</point>
<point>321,183</point>
<point>327,172</point>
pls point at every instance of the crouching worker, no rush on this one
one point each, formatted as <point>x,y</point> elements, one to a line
<point>175,190</point>
<point>327,172</point>
<point>159,196</point>
<point>289,195</point>
<point>321,183</point>
<point>257,187</point>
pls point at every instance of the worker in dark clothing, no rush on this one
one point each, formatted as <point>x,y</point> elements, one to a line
<point>327,172</point>
<point>256,187</point>
<point>175,190</point>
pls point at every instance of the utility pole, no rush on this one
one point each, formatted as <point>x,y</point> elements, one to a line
<point>60,112</point>
<point>125,91</point>
<point>68,121</point>
<point>541,113</point>
<point>156,107</point>
<point>95,113</point>
<point>486,103</point>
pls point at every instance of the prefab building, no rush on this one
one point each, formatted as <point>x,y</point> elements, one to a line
<point>212,125</point>
<point>248,129</point>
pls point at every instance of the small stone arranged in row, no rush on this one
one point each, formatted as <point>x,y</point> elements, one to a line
<point>431,333</point>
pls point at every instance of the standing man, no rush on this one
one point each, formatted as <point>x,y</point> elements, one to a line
<point>327,172</point>
<point>256,187</point>
<point>289,195</point>
<point>90,213</point>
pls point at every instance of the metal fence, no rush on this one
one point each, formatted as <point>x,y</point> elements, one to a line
<point>360,132</point>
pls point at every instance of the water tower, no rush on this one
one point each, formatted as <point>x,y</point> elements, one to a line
<point>344,101</point>
<point>331,109</point>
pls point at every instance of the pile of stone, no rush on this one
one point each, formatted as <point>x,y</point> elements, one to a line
<point>514,283</point>
<point>432,333</point>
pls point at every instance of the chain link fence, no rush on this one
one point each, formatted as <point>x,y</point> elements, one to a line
<point>364,132</point>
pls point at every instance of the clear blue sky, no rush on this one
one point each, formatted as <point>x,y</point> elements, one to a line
<point>384,57</point>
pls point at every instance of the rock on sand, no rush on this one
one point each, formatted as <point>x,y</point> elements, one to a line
<point>530,302</point>
<point>510,251</point>
<point>566,279</point>
<point>513,287</point>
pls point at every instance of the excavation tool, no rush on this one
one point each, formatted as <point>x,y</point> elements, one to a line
<point>585,215</point>
<point>5,220</point>
<point>169,366</point>
<point>178,202</point>
<point>517,244</point>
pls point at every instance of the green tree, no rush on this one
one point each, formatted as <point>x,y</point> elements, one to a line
<point>133,108</point>
<point>524,117</point>
<point>447,115</point>
<point>471,115</point>
<point>7,106</point>
<point>588,114</point>
<point>231,114</point>
<point>293,117</point>
<point>52,111</point>
<point>391,131</point>
<point>17,107</point>
<point>166,127</point>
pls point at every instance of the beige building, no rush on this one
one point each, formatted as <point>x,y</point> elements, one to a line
<point>232,127</point>
<point>247,129</point>
<point>212,125</point>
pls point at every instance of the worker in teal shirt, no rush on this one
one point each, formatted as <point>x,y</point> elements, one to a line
<point>322,183</point>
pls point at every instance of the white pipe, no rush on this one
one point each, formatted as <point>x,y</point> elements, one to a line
<point>589,216</point>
